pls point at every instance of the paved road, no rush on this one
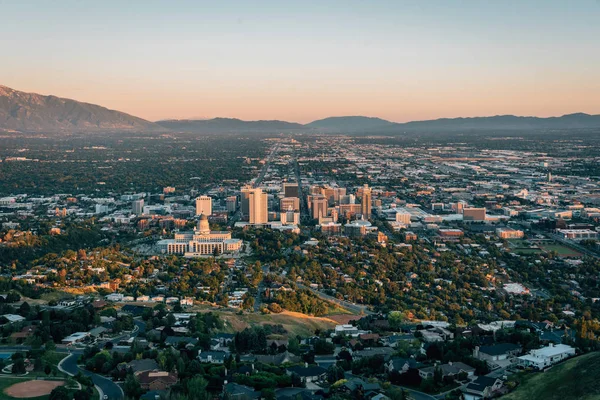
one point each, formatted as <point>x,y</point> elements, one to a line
<point>265,167</point>
<point>106,386</point>
<point>357,308</point>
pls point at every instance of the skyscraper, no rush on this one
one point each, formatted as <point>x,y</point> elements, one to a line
<point>291,190</point>
<point>204,205</point>
<point>231,203</point>
<point>245,200</point>
<point>319,207</point>
<point>258,206</point>
<point>366,206</point>
<point>137,207</point>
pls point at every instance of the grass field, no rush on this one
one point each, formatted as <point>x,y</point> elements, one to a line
<point>578,378</point>
<point>294,323</point>
<point>562,251</point>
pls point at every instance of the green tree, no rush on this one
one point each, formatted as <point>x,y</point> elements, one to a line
<point>132,388</point>
<point>59,393</point>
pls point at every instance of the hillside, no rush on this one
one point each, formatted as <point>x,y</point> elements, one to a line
<point>578,378</point>
<point>220,125</point>
<point>31,112</point>
<point>505,122</point>
<point>353,123</point>
<point>358,124</point>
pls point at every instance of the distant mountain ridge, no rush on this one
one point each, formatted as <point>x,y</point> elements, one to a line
<point>217,125</point>
<point>499,122</point>
<point>350,123</point>
<point>506,122</point>
<point>32,112</point>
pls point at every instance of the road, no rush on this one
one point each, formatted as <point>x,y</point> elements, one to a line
<point>105,385</point>
<point>303,198</point>
<point>265,167</point>
<point>356,308</point>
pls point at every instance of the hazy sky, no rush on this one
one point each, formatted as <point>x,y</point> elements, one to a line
<point>304,60</point>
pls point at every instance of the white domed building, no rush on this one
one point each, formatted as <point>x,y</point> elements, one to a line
<point>200,242</point>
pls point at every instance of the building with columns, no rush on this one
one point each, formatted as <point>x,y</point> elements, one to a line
<point>200,242</point>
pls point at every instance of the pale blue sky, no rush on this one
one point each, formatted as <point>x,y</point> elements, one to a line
<point>303,60</point>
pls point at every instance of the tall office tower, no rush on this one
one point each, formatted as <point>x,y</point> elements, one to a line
<point>365,208</point>
<point>231,203</point>
<point>329,194</point>
<point>245,200</point>
<point>348,199</point>
<point>338,193</point>
<point>258,210</point>
<point>319,207</point>
<point>137,207</point>
<point>289,202</point>
<point>291,190</point>
<point>204,205</point>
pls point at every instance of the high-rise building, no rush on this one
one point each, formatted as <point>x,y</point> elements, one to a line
<point>245,200</point>
<point>231,203</point>
<point>474,214</point>
<point>291,190</point>
<point>289,202</point>
<point>204,205</point>
<point>319,207</point>
<point>257,204</point>
<point>366,206</point>
<point>348,199</point>
<point>137,207</point>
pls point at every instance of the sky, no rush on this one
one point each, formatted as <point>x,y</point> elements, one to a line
<point>306,60</point>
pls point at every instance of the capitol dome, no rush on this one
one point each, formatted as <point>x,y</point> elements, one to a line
<point>203,225</point>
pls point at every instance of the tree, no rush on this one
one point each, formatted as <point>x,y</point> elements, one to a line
<point>81,395</point>
<point>19,366</point>
<point>132,387</point>
<point>197,388</point>
<point>59,393</point>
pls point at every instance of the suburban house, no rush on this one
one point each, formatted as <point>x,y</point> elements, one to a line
<point>138,366</point>
<point>496,352</point>
<point>212,357</point>
<point>482,388</point>
<point>175,340</point>
<point>157,380</point>
<point>372,352</point>
<point>308,373</point>
<point>547,356</point>
<point>401,365</point>
<point>240,392</point>
<point>452,369</point>
<point>276,359</point>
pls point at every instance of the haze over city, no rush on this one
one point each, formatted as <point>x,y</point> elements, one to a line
<point>301,61</point>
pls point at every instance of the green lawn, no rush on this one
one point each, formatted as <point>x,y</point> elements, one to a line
<point>561,250</point>
<point>578,378</point>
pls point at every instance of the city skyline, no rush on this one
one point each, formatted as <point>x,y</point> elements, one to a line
<point>302,62</point>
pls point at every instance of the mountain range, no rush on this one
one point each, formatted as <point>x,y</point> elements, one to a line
<point>30,112</point>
